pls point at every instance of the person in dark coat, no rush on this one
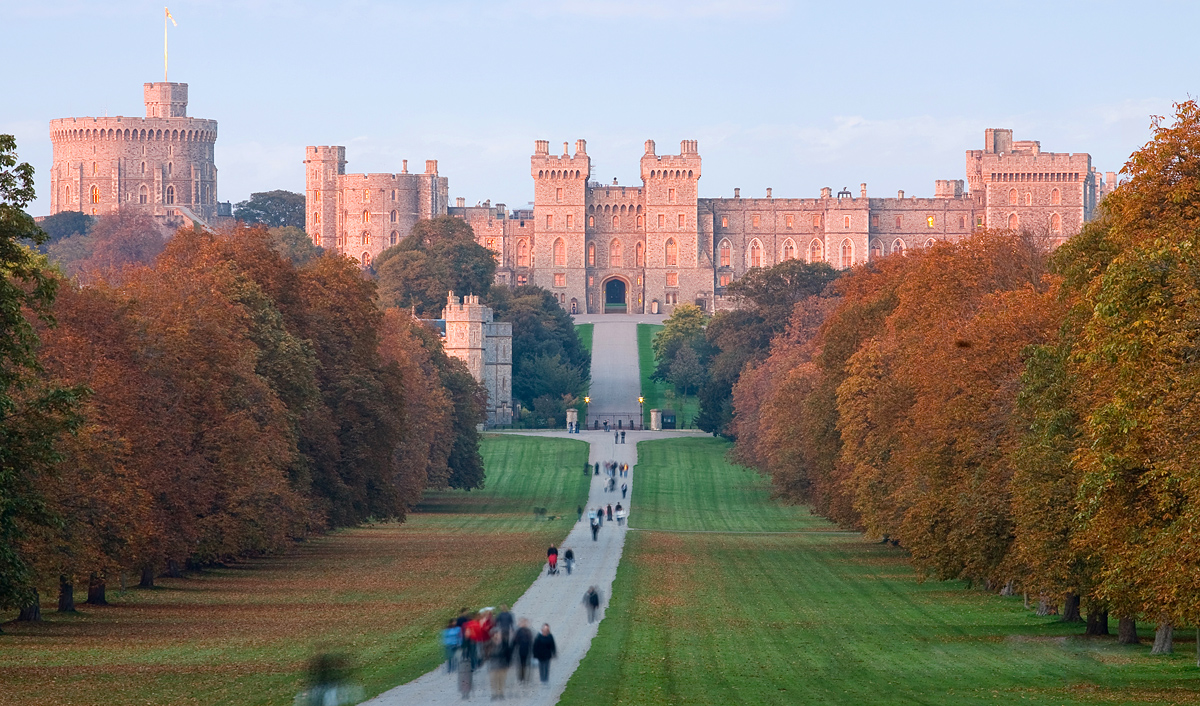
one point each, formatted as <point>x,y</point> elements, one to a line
<point>544,651</point>
<point>522,646</point>
<point>591,600</point>
<point>504,623</point>
<point>609,516</point>
<point>595,530</point>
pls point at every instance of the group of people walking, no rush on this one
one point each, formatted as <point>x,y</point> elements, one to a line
<point>493,638</point>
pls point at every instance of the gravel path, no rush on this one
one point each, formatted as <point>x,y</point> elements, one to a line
<point>558,600</point>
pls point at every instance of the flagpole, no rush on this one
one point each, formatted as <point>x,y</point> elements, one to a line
<point>165,45</point>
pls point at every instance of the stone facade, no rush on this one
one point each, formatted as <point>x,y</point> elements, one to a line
<point>162,164</point>
<point>361,215</point>
<point>647,248</point>
<point>486,347</point>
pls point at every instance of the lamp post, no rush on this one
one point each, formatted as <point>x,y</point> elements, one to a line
<point>587,401</point>
<point>641,412</point>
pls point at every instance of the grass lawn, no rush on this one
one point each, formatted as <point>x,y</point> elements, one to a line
<point>242,634</point>
<point>585,332</point>
<point>823,617</point>
<point>656,393</point>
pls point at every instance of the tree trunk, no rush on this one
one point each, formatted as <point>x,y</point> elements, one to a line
<point>96,590</point>
<point>1127,631</point>
<point>1070,612</point>
<point>1097,622</point>
<point>173,569</point>
<point>1008,589</point>
<point>1045,607</point>
<point>32,611</point>
<point>66,594</point>
<point>1163,639</point>
<point>147,577</point>
<point>1026,596</point>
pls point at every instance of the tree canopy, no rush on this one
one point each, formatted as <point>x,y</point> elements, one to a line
<point>438,256</point>
<point>276,209</point>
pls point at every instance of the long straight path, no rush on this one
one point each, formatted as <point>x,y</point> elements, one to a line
<point>558,600</point>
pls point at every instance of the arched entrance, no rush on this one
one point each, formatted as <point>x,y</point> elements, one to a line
<point>615,292</point>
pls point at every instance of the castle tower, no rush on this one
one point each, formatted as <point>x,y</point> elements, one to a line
<point>560,203</point>
<point>674,259</point>
<point>322,167</point>
<point>162,164</point>
<point>486,348</point>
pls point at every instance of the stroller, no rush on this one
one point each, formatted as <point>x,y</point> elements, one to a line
<point>552,565</point>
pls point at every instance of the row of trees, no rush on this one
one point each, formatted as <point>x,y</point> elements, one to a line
<point>551,368</point>
<point>1020,420</point>
<point>203,400</point>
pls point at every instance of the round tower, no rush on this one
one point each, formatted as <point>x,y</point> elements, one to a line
<point>162,163</point>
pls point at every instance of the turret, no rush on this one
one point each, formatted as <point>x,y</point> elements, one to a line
<point>322,166</point>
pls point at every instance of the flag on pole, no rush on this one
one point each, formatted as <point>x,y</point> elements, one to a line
<point>168,11</point>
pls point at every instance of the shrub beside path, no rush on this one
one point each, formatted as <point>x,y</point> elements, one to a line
<point>558,600</point>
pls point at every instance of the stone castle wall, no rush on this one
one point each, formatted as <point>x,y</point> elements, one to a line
<point>485,346</point>
<point>156,164</point>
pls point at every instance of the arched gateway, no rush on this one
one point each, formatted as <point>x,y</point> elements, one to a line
<point>616,293</point>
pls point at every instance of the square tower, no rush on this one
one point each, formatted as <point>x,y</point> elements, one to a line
<point>556,255</point>
<point>675,269</point>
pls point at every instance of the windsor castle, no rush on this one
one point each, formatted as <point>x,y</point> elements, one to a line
<point>598,247</point>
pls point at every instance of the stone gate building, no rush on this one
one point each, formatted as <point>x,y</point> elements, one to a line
<point>486,348</point>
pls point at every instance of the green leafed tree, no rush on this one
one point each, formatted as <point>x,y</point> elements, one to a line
<point>33,416</point>
<point>274,209</point>
<point>438,256</point>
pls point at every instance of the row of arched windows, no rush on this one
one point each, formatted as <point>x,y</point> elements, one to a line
<point>670,174</point>
<point>559,174</point>
<point>111,134</point>
<point>1013,197</point>
<point>623,208</point>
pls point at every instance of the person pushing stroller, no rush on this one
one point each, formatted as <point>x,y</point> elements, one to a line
<point>552,560</point>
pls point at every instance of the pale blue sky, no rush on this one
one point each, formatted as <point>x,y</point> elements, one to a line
<point>789,95</point>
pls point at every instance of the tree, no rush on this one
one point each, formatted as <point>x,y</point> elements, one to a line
<point>115,243</point>
<point>686,373</point>
<point>65,224</point>
<point>439,255</point>
<point>275,209</point>
<point>33,415</point>
<point>684,325</point>
<point>294,244</point>
<point>548,358</point>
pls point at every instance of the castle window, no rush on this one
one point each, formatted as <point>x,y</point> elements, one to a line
<point>672,279</point>
<point>1055,223</point>
<point>846,222</point>
<point>591,254</point>
<point>366,195</point>
<point>816,220</point>
<point>170,194</point>
<point>317,195</point>
<point>393,194</point>
<point>95,169</point>
<point>979,221</point>
<point>558,194</point>
<point>365,259</point>
<point>681,221</point>
<point>366,217</point>
<point>875,221</point>
<point>724,280</point>
<point>723,253</point>
<point>639,222</point>
<point>662,220</point>
<point>549,221</point>
<point>1028,199</point>
<point>490,243</point>
<point>1055,197</point>
<point>365,238</point>
<point>815,252</point>
<point>560,253</point>
<point>1012,197</point>
<point>671,252</point>
<point>95,194</point>
<point>898,246</point>
<point>1013,221</point>
<point>316,218</point>
<point>930,243</point>
<point>393,216</point>
<point>570,220</point>
<point>616,221</point>
<point>522,253</point>
<point>640,255</point>
<point>897,221</point>
<point>962,222</point>
<point>788,221</point>
<point>789,249</point>
<point>591,221</point>
<point>393,238</point>
<point>615,258</point>
<point>143,194</point>
<point>69,193</point>
<point>929,221</point>
<point>143,167</point>
<point>170,168</point>
<point>522,280</point>
<point>847,253</point>
<point>724,221</point>
<point>755,253</point>
<point>560,279</point>
<point>671,195</point>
